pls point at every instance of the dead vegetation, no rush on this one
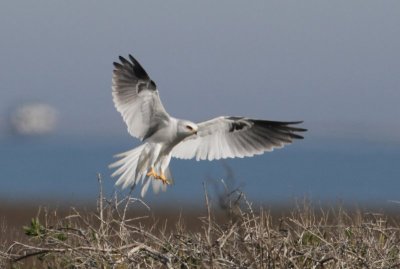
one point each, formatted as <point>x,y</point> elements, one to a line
<point>113,237</point>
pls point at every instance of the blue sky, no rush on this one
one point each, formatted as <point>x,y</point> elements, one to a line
<point>334,64</point>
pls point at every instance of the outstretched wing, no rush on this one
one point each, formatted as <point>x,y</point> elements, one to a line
<point>229,137</point>
<point>136,97</point>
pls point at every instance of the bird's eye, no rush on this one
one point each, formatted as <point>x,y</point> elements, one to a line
<point>190,128</point>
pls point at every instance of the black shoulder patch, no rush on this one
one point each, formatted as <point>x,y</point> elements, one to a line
<point>237,124</point>
<point>152,85</point>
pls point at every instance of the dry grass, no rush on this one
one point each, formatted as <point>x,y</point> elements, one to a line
<point>114,237</point>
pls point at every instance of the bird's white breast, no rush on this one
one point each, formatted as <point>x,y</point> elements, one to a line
<point>165,135</point>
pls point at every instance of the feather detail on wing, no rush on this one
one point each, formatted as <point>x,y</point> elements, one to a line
<point>136,97</point>
<point>229,137</point>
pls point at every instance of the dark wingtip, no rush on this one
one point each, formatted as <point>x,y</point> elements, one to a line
<point>290,123</point>
<point>297,129</point>
<point>124,63</point>
<point>122,59</point>
<point>117,65</point>
<point>134,64</point>
<point>132,58</point>
<point>138,69</point>
<point>301,130</point>
<point>296,136</point>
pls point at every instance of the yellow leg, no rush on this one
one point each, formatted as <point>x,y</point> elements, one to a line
<point>152,173</point>
<point>164,179</point>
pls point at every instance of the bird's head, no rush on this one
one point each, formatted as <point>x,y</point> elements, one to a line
<point>187,128</point>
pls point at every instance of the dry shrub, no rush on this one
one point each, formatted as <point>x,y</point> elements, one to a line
<point>111,237</point>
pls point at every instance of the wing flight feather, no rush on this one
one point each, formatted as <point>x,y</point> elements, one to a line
<point>136,97</point>
<point>229,137</point>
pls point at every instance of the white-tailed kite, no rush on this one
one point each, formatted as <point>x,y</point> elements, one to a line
<point>136,97</point>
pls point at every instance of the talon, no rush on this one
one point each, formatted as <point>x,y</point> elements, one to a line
<point>164,179</point>
<point>152,173</point>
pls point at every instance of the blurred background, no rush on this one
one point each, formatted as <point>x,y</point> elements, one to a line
<point>334,65</point>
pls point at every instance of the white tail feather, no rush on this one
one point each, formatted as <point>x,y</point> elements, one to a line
<point>127,167</point>
<point>145,186</point>
<point>133,167</point>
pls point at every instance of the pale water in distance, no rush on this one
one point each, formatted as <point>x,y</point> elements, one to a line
<point>65,170</point>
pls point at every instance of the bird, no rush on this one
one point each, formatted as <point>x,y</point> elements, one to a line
<point>136,98</point>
